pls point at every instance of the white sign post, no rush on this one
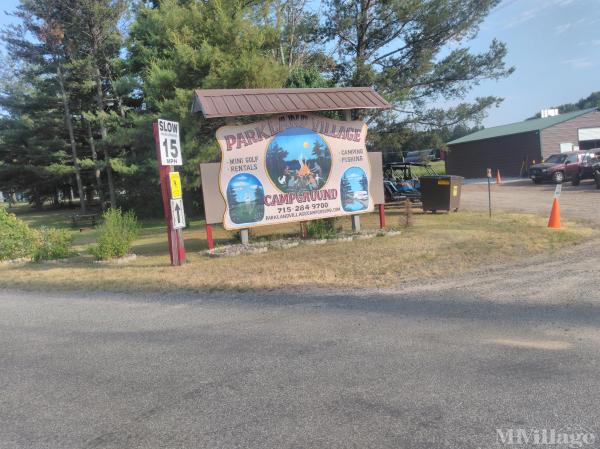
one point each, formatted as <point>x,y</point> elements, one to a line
<point>168,138</point>
<point>177,214</point>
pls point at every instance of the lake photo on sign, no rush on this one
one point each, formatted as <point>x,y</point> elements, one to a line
<point>354,190</point>
<point>245,197</point>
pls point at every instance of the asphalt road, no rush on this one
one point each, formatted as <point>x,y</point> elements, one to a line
<point>436,366</point>
<point>442,365</point>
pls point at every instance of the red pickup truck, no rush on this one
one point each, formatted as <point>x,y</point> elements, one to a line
<point>557,168</point>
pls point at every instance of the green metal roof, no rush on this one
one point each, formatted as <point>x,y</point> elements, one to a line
<point>520,127</point>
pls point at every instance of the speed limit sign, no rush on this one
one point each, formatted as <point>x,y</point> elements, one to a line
<point>168,138</point>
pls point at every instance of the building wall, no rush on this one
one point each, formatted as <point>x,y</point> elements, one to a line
<point>505,153</point>
<point>567,132</point>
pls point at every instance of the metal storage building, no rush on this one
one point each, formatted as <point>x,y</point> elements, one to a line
<point>509,148</point>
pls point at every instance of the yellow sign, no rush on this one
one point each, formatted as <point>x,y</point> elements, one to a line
<point>443,182</point>
<point>175,185</point>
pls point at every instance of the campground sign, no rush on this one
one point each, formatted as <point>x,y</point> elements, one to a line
<point>293,168</point>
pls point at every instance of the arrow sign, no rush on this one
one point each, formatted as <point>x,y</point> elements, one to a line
<point>177,214</point>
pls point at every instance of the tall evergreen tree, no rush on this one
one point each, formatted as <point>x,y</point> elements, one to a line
<point>39,41</point>
<point>402,48</point>
<point>93,25</point>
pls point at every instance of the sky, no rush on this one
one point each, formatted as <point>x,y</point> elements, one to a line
<point>298,142</point>
<point>244,186</point>
<point>354,175</point>
<point>553,44</point>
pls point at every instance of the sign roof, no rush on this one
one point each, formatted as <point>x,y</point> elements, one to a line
<point>215,103</point>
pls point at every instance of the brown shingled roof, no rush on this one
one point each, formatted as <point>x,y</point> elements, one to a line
<point>215,103</point>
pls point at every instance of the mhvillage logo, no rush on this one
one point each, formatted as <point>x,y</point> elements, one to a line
<point>268,128</point>
<point>568,436</point>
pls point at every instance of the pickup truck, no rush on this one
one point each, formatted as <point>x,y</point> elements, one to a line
<point>586,168</point>
<point>557,167</point>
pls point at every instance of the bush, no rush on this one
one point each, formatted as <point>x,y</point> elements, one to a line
<point>321,229</point>
<point>53,243</point>
<point>116,234</point>
<point>16,238</point>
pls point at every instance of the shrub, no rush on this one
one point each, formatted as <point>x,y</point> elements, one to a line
<point>321,229</point>
<point>16,238</point>
<point>116,234</point>
<point>53,243</point>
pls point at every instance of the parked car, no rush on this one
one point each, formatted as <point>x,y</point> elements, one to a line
<point>429,155</point>
<point>557,168</point>
<point>586,168</point>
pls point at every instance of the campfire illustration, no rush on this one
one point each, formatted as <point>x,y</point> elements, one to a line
<point>304,169</point>
<point>298,160</point>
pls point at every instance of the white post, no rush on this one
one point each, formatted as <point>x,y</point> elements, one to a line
<point>355,223</point>
<point>244,236</point>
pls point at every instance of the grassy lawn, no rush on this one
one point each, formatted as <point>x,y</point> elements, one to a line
<point>436,246</point>
<point>438,166</point>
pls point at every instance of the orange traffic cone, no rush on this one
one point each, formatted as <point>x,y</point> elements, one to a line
<point>554,221</point>
<point>498,178</point>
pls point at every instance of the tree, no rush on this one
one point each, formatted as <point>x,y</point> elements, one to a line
<point>33,159</point>
<point>318,150</point>
<point>591,101</point>
<point>175,47</point>
<point>401,48</point>
<point>345,188</point>
<point>39,42</point>
<point>93,26</point>
<point>364,183</point>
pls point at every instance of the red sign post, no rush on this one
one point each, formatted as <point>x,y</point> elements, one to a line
<point>175,236</point>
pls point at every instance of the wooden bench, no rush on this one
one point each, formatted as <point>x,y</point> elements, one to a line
<point>83,220</point>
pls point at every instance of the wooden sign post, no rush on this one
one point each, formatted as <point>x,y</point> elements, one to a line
<point>168,154</point>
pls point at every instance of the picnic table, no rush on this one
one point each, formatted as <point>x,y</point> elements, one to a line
<point>83,220</point>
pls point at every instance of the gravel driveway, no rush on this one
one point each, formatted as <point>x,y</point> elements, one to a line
<point>581,202</point>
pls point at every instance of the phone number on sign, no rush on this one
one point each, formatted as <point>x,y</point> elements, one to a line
<point>302,207</point>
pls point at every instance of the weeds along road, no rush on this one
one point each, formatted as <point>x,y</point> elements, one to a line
<point>581,202</point>
<point>436,366</point>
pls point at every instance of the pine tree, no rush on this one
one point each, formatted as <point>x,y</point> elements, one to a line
<point>396,46</point>
<point>39,43</point>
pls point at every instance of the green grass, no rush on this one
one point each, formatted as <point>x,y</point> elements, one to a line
<point>438,166</point>
<point>150,240</point>
<point>437,246</point>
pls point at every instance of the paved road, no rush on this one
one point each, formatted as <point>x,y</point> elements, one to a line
<point>441,366</point>
<point>581,202</point>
